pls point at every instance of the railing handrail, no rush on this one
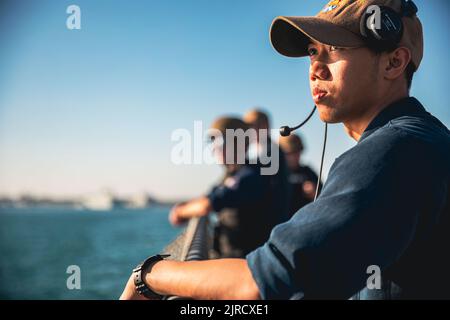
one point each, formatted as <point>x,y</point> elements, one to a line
<point>194,242</point>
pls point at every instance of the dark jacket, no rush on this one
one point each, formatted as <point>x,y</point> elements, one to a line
<point>249,205</point>
<point>385,203</point>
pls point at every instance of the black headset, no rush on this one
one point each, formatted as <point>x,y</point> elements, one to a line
<point>390,33</point>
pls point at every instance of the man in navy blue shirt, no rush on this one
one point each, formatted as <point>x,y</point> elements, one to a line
<point>383,214</point>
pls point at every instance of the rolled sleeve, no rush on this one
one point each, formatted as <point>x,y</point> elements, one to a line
<point>273,278</point>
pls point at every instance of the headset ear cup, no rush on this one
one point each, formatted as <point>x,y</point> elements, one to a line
<point>363,25</point>
<point>390,30</point>
<point>368,28</point>
<point>392,27</point>
<point>373,29</point>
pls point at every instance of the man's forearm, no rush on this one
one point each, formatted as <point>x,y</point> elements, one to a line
<point>211,279</point>
<point>195,208</point>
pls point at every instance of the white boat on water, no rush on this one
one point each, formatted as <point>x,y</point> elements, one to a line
<point>106,200</point>
<point>103,200</point>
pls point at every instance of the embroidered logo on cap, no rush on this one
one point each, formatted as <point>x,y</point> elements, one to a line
<point>331,5</point>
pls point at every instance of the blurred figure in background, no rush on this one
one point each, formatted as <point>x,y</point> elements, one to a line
<point>302,178</point>
<point>248,203</point>
<point>258,120</point>
<point>267,153</point>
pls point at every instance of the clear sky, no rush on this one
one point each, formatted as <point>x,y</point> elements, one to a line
<point>85,109</point>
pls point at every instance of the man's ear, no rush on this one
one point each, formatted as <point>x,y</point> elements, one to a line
<point>396,63</point>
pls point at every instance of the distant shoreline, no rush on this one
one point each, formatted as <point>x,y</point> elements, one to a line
<point>97,202</point>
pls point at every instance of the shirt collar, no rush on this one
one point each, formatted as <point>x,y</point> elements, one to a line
<point>404,107</point>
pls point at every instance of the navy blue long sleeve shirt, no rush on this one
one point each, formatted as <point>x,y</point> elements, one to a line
<point>249,205</point>
<point>385,203</point>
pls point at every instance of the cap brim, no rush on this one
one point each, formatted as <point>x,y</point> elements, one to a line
<point>290,36</point>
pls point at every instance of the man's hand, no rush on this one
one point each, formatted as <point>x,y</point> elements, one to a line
<point>180,213</point>
<point>175,215</point>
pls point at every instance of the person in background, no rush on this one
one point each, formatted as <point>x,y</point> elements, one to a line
<point>302,178</point>
<point>268,153</point>
<point>248,203</point>
<point>259,121</point>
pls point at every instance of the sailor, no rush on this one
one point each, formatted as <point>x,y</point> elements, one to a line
<point>301,177</point>
<point>259,121</point>
<point>249,204</point>
<point>266,152</point>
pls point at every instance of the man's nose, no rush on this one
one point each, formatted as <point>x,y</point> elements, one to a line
<point>318,71</point>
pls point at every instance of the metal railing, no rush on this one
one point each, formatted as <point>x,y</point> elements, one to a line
<point>192,245</point>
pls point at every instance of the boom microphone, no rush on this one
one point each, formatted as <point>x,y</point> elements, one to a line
<point>286,130</point>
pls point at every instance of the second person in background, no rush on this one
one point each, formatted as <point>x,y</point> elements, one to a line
<point>249,204</point>
<point>302,178</point>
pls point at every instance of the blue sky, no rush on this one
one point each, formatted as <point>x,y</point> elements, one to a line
<point>85,109</point>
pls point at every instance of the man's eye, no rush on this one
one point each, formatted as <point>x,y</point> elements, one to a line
<point>334,48</point>
<point>312,51</point>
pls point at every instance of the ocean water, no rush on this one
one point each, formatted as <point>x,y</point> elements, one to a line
<point>37,245</point>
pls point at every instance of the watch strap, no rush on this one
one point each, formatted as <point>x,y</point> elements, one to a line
<point>139,281</point>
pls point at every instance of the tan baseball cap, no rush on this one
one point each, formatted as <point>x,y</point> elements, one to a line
<point>339,24</point>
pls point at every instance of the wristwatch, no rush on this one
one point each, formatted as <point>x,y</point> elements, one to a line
<point>141,287</point>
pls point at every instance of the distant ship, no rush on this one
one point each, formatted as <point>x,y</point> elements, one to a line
<point>106,200</point>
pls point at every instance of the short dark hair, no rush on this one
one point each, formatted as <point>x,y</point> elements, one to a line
<point>410,68</point>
